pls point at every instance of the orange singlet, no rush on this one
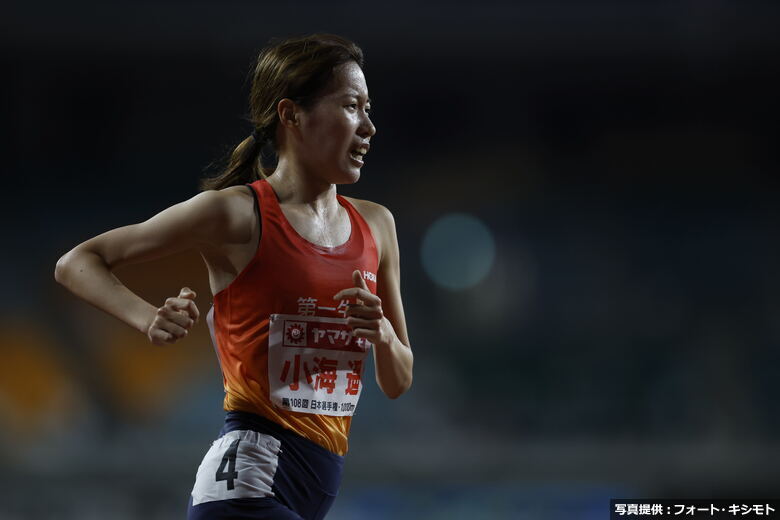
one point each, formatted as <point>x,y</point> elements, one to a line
<point>285,350</point>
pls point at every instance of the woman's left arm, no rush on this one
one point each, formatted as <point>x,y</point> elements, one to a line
<point>380,318</point>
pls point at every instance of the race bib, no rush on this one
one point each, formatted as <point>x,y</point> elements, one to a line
<point>315,364</point>
<point>240,464</point>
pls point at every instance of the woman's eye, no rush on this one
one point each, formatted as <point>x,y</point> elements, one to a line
<point>354,106</point>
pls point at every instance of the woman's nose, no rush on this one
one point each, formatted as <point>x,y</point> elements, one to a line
<point>367,128</point>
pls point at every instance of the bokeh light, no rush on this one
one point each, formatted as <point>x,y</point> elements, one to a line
<point>458,251</point>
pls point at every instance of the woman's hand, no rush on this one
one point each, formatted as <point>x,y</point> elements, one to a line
<point>365,317</point>
<point>174,319</point>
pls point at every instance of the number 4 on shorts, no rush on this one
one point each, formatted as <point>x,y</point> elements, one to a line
<point>229,460</point>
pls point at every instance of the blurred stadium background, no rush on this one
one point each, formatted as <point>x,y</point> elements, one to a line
<point>586,196</point>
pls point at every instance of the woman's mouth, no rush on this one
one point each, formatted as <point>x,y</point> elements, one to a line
<point>358,153</point>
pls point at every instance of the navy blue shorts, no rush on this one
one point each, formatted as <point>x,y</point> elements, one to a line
<point>258,469</point>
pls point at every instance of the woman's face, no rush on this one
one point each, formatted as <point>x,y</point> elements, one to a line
<point>335,131</point>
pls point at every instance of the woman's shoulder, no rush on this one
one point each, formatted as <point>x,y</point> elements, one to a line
<point>223,198</point>
<point>228,203</point>
<point>241,192</point>
<point>231,210</point>
<point>380,220</point>
<point>373,212</point>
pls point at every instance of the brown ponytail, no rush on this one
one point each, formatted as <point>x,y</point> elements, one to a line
<point>244,166</point>
<point>295,68</point>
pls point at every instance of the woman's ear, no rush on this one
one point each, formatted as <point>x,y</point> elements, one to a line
<point>288,112</point>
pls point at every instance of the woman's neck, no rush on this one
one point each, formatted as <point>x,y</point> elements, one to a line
<point>293,186</point>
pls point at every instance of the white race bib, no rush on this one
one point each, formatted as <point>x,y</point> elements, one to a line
<point>315,364</point>
<point>240,464</point>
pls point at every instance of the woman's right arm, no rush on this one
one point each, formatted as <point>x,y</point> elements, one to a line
<point>209,219</point>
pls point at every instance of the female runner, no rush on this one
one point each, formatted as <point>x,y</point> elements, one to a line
<point>304,282</point>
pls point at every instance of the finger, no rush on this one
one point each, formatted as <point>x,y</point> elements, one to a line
<point>358,292</point>
<point>369,334</point>
<point>186,305</point>
<point>172,328</point>
<point>178,318</point>
<point>357,279</point>
<point>363,323</point>
<point>193,311</point>
<point>363,311</point>
<point>186,292</point>
<point>160,337</point>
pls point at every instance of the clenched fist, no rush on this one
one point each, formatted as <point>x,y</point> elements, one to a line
<point>365,316</point>
<point>174,319</point>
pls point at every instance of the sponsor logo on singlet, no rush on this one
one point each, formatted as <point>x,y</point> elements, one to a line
<point>368,275</point>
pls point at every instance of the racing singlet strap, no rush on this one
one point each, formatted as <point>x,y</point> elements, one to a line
<point>283,344</point>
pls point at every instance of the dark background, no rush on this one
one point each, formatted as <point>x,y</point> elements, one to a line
<point>622,155</point>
